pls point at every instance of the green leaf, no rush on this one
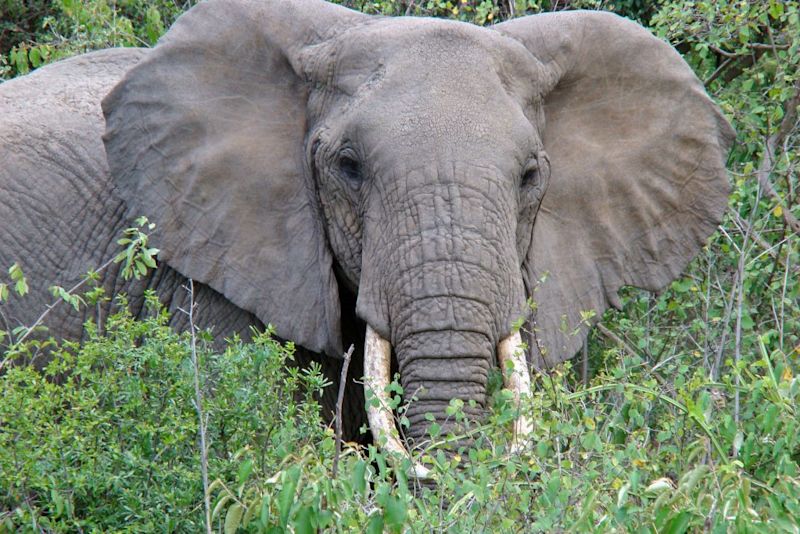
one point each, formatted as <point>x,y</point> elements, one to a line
<point>678,524</point>
<point>233,518</point>
<point>35,57</point>
<point>245,468</point>
<point>148,259</point>
<point>776,8</point>
<point>375,524</point>
<point>303,521</point>
<point>21,287</point>
<point>358,477</point>
<point>395,513</point>
<point>220,505</point>
<point>141,268</point>
<point>286,496</point>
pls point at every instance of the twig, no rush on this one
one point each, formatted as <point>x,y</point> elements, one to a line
<point>768,248</point>
<point>198,403</point>
<point>339,401</point>
<point>765,46</point>
<point>721,52</point>
<point>751,46</point>
<point>724,65</point>
<point>740,271</point>
<point>706,305</point>
<point>47,311</point>
<point>585,362</point>
<point>768,159</point>
<point>618,340</point>
<point>724,326</point>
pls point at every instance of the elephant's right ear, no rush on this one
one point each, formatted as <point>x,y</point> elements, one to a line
<point>206,137</point>
<point>637,155</point>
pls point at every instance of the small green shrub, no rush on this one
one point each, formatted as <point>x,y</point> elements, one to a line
<point>105,436</point>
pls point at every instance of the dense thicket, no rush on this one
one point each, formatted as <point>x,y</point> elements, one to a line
<point>683,416</point>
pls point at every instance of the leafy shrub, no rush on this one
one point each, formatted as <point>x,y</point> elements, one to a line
<point>35,33</point>
<point>106,434</point>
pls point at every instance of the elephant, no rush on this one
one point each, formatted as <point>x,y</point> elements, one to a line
<point>407,185</point>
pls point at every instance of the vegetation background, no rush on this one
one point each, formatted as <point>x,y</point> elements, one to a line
<point>681,416</point>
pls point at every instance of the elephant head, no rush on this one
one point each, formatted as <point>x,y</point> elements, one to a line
<point>439,171</point>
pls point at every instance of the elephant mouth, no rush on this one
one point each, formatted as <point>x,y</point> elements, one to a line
<point>377,375</point>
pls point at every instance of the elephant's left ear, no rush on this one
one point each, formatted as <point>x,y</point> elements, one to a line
<point>206,137</point>
<point>637,153</point>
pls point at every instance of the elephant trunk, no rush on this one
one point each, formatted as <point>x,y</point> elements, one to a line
<point>437,367</point>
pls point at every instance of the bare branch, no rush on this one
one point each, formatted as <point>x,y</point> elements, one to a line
<point>198,404</point>
<point>725,53</point>
<point>751,46</point>
<point>585,362</point>
<point>768,159</point>
<point>724,65</point>
<point>771,250</point>
<point>339,401</point>
<point>618,340</point>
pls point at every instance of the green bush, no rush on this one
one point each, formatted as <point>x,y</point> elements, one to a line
<point>35,33</point>
<point>106,436</point>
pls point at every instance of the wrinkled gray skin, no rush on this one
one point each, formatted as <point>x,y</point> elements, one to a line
<point>316,168</point>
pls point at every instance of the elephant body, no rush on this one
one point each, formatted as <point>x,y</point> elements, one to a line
<point>62,217</point>
<point>343,177</point>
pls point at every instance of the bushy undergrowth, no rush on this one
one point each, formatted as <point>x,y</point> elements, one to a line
<point>105,438</point>
<point>682,416</point>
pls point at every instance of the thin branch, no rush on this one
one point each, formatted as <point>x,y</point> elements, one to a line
<point>771,250</point>
<point>339,400</point>
<point>585,362</point>
<point>724,65</point>
<point>740,270</point>
<point>768,159</point>
<point>765,46</point>
<point>751,46</point>
<point>724,326</point>
<point>47,311</point>
<point>725,53</point>
<point>618,340</point>
<point>783,298</point>
<point>198,404</point>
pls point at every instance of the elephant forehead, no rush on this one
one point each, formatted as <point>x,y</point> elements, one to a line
<point>445,120</point>
<point>426,52</point>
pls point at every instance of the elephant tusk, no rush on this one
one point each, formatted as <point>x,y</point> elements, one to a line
<point>518,381</point>
<point>377,361</point>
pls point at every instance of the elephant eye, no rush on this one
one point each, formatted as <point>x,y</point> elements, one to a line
<point>530,176</point>
<point>351,170</point>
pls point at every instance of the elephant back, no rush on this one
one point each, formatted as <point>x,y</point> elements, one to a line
<point>65,93</point>
<point>57,212</point>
